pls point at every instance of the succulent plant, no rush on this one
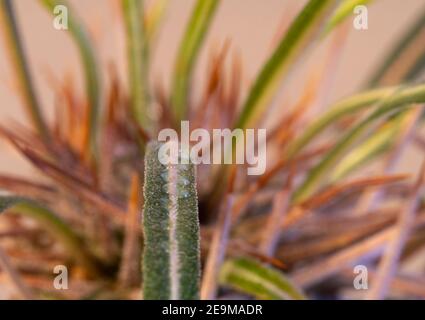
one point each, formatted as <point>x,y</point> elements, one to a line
<point>127,225</point>
<point>171,258</point>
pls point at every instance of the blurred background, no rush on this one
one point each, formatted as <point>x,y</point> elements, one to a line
<point>251,26</point>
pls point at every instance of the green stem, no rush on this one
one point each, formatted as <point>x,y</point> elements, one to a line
<point>171,257</point>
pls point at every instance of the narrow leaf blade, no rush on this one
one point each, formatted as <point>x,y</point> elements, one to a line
<point>18,57</point>
<point>304,28</point>
<point>91,72</point>
<point>395,103</point>
<point>54,225</point>
<point>137,59</point>
<point>344,10</point>
<point>188,52</point>
<point>249,276</point>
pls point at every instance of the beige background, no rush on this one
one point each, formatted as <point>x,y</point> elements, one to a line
<point>249,24</point>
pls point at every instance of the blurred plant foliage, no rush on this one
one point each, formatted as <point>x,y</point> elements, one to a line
<point>276,236</point>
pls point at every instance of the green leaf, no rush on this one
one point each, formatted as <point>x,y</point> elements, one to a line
<point>17,55</point>
<point>153,19</point>
<point>344,10</point>
<point>263,282</point>
<point>394,103</point>
<point>90,67</point>
<point>381,140</point>
<point>303,30</point>
<point>368,150</point>
<point>340,109</point>
<point>171,257</point>
<point>137,52</point>
<point>54,225</point>
<point>188,53</point>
